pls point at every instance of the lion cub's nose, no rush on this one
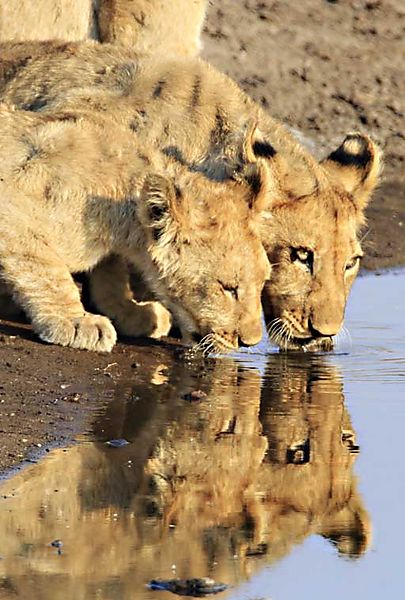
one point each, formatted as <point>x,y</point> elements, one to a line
<point>326,329</point>
<point>250,338</point>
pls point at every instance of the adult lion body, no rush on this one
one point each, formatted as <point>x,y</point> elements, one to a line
<point>80,194</point>
<point>143,25</point>
<point>189,110</point>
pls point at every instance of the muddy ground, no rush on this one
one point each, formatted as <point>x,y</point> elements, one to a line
<point>324,67</point>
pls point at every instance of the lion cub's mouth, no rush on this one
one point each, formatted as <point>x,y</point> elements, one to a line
<point>319,344</point>
<point>212,343</point>
<point>281,333</point>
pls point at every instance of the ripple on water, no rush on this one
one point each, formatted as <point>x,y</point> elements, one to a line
<point>376,320</point>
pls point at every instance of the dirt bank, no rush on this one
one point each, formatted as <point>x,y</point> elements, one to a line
<point>49,393</point>
<point>324,68</point>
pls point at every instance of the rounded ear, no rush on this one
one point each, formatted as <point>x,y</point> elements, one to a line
<point>251,146</point>
<point>248,140</point>
<point>261,184</point>
<point>356,165</point>
<point>253,169</point>
<point>158,207</point>
<point>232,150</point>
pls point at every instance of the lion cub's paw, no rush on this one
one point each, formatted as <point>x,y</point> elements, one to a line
<point>89,332</point>
<point>162,320</point>
<point>144,319</point>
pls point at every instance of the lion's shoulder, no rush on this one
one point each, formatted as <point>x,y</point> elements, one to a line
<point>47,20</point>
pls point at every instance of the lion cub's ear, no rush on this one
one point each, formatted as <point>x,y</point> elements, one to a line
<point>158,206</point>
<point>262,186</point>
<point>251,146</point>
<point>253,168</point>
<point>356,165</point>
<point>243,157</point>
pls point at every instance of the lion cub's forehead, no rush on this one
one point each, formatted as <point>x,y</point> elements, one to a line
<point>226,215</point>
<point>222,199</point>
<point>335,210</point>
<point>319,222</point>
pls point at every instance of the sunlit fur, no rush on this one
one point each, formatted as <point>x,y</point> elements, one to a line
<point>79,194</point>
<point>192,112</point>
<point>142,25</point>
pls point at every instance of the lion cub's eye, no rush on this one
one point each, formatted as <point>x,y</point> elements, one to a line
<point>230,290</point>
<point>352,263</point>
<point>302,256</point>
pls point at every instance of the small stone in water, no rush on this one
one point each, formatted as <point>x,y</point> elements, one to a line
<point>196,588</point>
<point>57,544</point>
<point>117,443</point>
<point>195,396</point>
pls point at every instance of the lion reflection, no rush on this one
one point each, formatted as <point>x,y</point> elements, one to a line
<point>214,487</point>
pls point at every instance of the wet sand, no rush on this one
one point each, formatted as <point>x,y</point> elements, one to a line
<point>324,68</point>
<point>48,394</point>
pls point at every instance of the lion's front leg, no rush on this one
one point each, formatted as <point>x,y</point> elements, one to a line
<point>43,287</point>
<point>111,293</point>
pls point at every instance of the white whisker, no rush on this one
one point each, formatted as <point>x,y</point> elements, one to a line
<point>208,348</point>
<point>365,235</point>
<point>203,343</point>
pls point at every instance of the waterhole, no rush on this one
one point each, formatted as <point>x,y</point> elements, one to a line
<point>279,475</point>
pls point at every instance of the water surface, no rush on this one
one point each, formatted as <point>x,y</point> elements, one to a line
<point>286,480</point>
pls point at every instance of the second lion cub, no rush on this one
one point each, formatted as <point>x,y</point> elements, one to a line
<point>79,195</point>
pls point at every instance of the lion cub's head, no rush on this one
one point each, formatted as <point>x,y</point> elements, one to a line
<point>207,262</point>
<point>312,244</point>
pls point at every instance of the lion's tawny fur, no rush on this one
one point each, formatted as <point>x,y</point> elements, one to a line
<point>70,20</point>
<point>80,194</point>
<point>191,112</point>
<point>143,25</point>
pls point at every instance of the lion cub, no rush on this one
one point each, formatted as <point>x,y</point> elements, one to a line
<point>80,195</point>
<point>189,110</point>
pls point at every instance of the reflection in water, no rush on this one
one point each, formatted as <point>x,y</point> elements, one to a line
<point>213,488</point>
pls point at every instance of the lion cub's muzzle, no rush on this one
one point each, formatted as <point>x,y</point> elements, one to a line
<point>289,335</point>
<point>317,344</point>
<point>316,341</point>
